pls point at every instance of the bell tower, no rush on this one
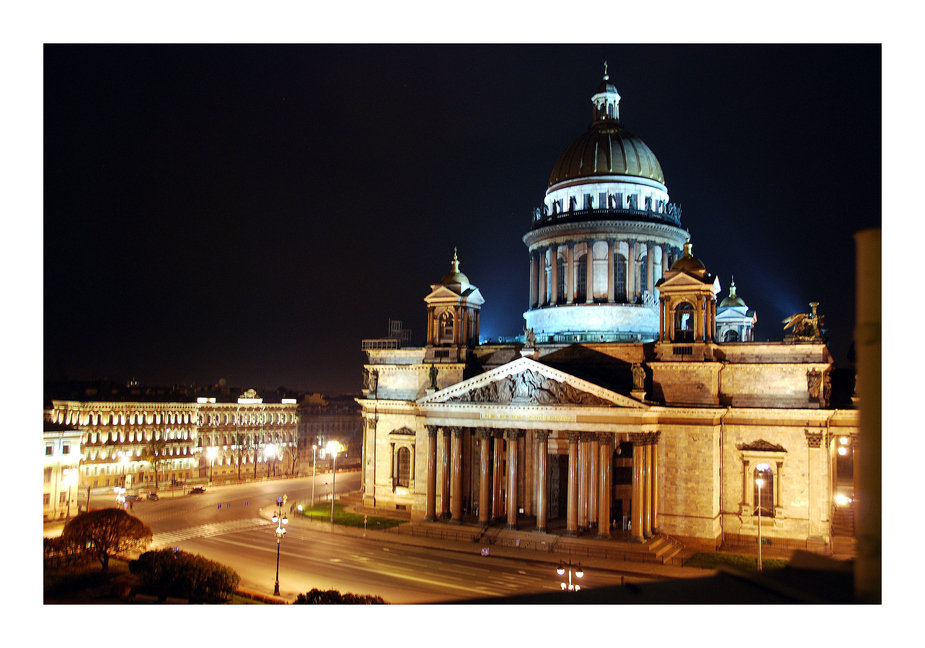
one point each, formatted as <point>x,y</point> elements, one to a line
<point>453,308</point>
<point>687,310</point>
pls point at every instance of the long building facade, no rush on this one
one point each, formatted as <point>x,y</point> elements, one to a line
<point>628,405</point>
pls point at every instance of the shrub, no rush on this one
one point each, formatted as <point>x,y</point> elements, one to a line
<point>106,533</point>
<point>184,575</point>
<point>333,597</point>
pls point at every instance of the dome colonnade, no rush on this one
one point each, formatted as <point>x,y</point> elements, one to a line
<point>605,236</point>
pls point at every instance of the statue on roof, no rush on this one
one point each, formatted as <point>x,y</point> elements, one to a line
<point>806,327</point>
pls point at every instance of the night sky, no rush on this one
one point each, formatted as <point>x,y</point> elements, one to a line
<point>252,213</point>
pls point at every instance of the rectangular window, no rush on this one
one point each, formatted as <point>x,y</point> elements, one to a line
<point>47,499</point>
<point>48,475</point>
<point>62,497</point>
<point>66,448</point>
<point>49,450</point>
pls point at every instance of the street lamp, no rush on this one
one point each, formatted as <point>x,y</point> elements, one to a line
<point>760,482</point>
<point>123,460</point>
<point>211,453</point>
<point>579,573</point>
<point>269,452</point>
<point>333,448</point>
<point>280,518</point>
<point>314,450</point>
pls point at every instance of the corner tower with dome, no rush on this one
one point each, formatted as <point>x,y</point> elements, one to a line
<point>628,412</point>
<point>604,237</point>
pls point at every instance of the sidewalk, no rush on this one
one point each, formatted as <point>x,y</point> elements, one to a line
<point>503,543</point>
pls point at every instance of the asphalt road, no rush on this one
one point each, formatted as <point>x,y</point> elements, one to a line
<point>224,525</point>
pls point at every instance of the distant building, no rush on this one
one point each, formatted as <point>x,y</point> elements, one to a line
<point>61,465</point>
<point>627,409</point>
<point>323,419</point>
<point>213,435</point>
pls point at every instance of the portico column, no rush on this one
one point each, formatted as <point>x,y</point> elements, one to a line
<point>605,481</point>
<point>498,467</point>
<point>445,482</point>
<point>512,475</point>
<point>456,473</point>
<point>655,524</point>
<point>484,476</point>
<point>593,482</point>
<point>532,279</point>
<point>638,497</point>
<point>650,266</point>
<point>583,475</point>
<point>647,489</point>
<point>571,524</point>
<point>430,509</point>
<point>542,506</point>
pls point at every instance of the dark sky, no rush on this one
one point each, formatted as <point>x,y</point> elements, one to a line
<point>253,212</point>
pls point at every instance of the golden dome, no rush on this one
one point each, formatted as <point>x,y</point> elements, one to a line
<point>688,262</point>
<point>732,299</point>
<point>454,276</point>
<point>607,149</point>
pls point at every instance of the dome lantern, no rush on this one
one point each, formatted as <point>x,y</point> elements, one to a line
<point>606,99</point>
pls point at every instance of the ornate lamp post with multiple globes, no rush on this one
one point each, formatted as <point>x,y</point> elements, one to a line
<point>579,572</point>
<point>280,518</point>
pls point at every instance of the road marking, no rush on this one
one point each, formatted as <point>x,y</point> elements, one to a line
<point>206,531</point>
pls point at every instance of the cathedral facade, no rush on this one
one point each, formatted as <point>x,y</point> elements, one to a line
<point>635,406</point>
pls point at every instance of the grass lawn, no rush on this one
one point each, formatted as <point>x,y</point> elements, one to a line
<point>714,560</point>
<point>322,511</point>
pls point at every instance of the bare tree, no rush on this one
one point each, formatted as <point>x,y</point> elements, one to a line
<point>155,454</point>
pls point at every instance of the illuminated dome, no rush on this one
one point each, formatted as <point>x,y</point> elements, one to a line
<point>688,262</point>
<point>607,149</point>
<point>454,277</point>
<point>732,299</point>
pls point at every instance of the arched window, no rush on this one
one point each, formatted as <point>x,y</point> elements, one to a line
<point>404,468</point>
<point>561,281</point>
<point>764,494</point>
<point>619,277</point>
<point>581,281</point>
<point>446,326</point>
<point>684,323</point>
<point>731,335</point>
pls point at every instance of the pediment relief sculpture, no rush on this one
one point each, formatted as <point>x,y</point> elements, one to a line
<point>530,387</point>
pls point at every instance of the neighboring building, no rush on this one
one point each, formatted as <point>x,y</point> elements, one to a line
<point>323,419</point>
<point>578,429</point>
<point>62,462</point>
<point>735,322</point>
<point>116,433</point>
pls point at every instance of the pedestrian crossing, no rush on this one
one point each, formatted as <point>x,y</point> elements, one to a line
<point>170,538</point>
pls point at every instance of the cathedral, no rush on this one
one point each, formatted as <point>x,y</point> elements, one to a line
<point>637,403</point>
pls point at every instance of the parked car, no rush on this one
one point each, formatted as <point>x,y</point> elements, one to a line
<point>153,497</point>
<point>197,491</point>
<point>132,498</point>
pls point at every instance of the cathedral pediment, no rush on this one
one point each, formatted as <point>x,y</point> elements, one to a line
<point>442,293</point>
<point>527,382</point>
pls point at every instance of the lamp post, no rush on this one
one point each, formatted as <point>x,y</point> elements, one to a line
<point>314,450</point>
<point>280,518</point>
<point>760,483</point>
<point>333,447</point>
<point>579,573</point>
<point>211,452</point>
<point>269,452</point>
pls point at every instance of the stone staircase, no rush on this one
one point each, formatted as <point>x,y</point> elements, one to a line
<point>843,543</point>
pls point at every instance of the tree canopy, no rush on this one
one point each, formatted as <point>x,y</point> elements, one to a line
<point>107,532</point>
